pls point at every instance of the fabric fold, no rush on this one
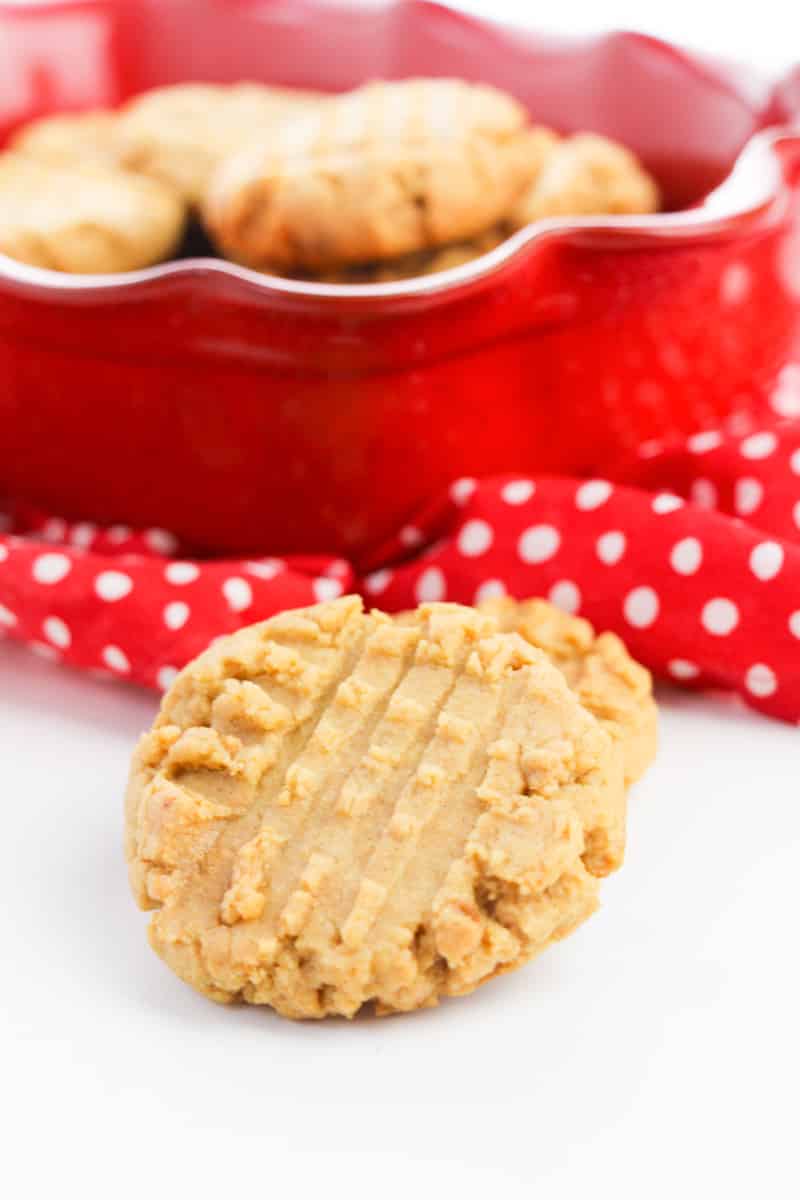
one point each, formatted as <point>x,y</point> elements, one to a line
<point>690,551</point>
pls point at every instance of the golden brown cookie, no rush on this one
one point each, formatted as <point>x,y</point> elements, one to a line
<point>583,175</point>
<point>388,170</point>
<point>69,139</point>
<point>334,808</point>
<point>86,220</point>
<point>179,134</point>
<point>606,680</point>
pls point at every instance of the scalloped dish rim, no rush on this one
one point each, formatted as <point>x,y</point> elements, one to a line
<point>753,186</point>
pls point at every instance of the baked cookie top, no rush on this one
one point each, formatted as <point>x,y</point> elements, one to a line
<point>179,134</point>
<point>583,175</point>
<point>88,219</point>
<point>335,807</point>
<point>606,680</point>
<point>175,134</point>
<point>70,139</point>
<point>387,170</point>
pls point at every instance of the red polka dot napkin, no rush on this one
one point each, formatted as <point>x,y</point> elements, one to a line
<point>691,552</point>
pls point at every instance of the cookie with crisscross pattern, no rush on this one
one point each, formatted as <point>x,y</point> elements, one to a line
<point>335,807</point>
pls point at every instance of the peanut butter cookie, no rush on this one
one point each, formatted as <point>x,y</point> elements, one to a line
<point>385,171</point>
<point>606,680</point>
<point>179,134</point>
<point>584,175</point>
<point>84,219</point>
<point>334,808</point>
<point>73,139</point>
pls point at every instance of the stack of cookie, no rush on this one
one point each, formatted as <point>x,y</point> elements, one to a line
<point>336,808</point>
<point>385,182</point>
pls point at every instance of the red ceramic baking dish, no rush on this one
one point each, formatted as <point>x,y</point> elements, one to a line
<point>249,413</point>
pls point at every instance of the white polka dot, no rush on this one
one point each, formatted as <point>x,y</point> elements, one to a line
<point>176,614</point>
<point>180,573</point>
<point>796,514</point>
<point>265,568</point>
<point>518,491</point>
<point>703,493</point>
<point>789,264</point>
<point>794,624</point>
<point>565,595</point>
<point>378,581</point>
<point>83,534</point>
<point>166,677</point>
<point>666,502</point>
<point>682,668</point>
<point>239,594</point>
<point>326,589</point>
<point>116,659</point>
<point>785,400</point>
<point>161,541</point>
<point>794,461</point>
<point>490,589</point>
<point>410,535</point>
<point>3,553</point>
<point>641,607</point>
<point>758,445</point>
<point>338,569</point>
<point>475,538</point>
<point>611,547</point>
<point>719,616</point>
<point>430,586</point>
<point>747,496</point>
<point>686,556</point>
<point>539,543</point>
<point>766,560</point>
<point>118,533</point>
<point>462,489</point>
<point>7,617</point>
<point>735,284</point>
<point>701,443</point>
<point>113,585</point>
<point>51,568</point>
<point>760,680</point>
<point>53,530</point>
<point>57,632</point>
<point>592,494</point>
<point>650,449</point>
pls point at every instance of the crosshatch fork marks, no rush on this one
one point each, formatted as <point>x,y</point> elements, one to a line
<point>194,907</point>
<point>340,738</point>
<point>366,812</point>
<point>408,831</point>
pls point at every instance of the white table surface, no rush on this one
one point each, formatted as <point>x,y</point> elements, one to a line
<point>657,1046</point>
<point>655,1053</point>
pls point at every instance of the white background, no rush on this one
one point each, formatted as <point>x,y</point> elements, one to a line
<point>652,1054</point>
<point>655,1053</point>
<point>766,33</point>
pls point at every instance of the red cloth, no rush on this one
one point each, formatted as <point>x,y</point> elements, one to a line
<point>691,553</point>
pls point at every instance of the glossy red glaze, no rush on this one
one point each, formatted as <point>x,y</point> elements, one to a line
<point>251,414</point>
